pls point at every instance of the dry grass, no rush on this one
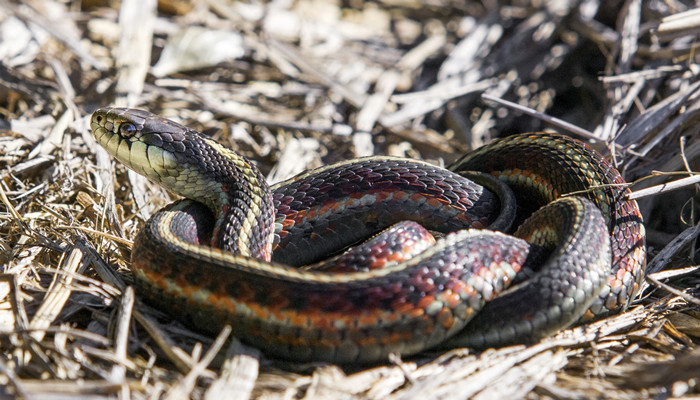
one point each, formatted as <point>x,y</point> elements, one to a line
<point>295,85</point>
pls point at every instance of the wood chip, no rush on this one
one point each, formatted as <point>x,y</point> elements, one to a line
<point>297,85</point>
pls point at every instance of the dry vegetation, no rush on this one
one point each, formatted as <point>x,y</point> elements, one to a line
<point>298,84</point>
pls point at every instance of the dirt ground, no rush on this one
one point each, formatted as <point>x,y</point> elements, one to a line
<point>294,85</point>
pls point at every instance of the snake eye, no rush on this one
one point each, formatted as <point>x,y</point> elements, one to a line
<point>127,129</point>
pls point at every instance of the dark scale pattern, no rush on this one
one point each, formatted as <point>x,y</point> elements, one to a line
<point>398,243</point>
<point>566,285</point>
<point>333,207</point>
<point>236,178</point>
<point>542,167</point>
<point>354,318</point>
<point>195,226</point>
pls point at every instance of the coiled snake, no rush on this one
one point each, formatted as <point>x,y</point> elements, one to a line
<point>214,264</point>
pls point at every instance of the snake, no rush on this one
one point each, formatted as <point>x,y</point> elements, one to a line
<point>237,251</point>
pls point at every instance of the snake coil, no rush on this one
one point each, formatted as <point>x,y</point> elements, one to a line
<point>230,254</point>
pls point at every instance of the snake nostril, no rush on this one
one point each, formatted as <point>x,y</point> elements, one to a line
<point>98,118</point>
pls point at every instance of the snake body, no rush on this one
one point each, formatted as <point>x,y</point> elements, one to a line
<point>540,168</point>
<point>210,261</point>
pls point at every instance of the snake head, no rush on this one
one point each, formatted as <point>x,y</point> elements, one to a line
<point>137,139</point>
<point>176,157</point>
<point>186,162</point>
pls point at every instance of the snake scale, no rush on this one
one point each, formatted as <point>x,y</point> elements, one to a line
<point>232,251</point>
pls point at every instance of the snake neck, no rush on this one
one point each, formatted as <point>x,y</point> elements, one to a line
<point>231,186</point>
<point>238,194</point>
<point>245,217</point>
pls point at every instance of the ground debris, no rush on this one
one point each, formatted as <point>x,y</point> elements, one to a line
<point>301,84</point>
